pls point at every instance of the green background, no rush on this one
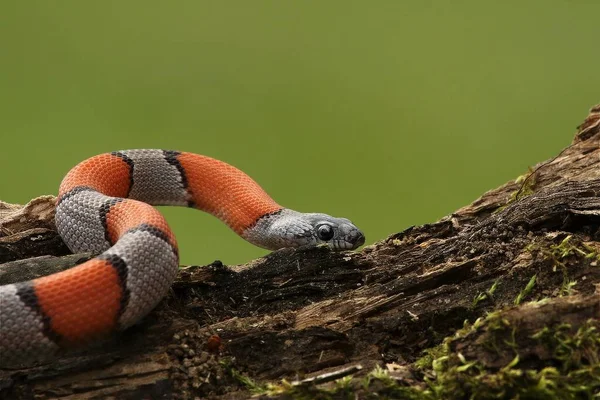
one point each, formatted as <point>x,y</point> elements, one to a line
<point>390,113</point>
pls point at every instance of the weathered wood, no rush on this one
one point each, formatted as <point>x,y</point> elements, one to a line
<point>313,311</point>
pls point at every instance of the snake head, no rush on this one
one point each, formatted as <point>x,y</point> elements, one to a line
<point>337,233</point>
<point>288,228</point>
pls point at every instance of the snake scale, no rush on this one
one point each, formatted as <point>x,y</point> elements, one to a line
<point>104,207</point>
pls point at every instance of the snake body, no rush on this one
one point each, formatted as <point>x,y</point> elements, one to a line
<point>104,206</point>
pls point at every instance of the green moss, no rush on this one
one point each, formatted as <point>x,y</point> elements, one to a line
<point>487,294</point>
<point>526,184</point>
<point>380,384</point>
<point>572,373</point>
<point>572,349</point>
<point>245,381</point>
<point>426,361</point>
<point>526,291</point>
<point>569,247</point>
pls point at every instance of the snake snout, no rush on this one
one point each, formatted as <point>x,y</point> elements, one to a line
<point>359,240</point>
<point>352,236</point>
<point>356,238</point>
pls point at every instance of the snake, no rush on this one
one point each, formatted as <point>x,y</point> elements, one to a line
<point>105,207</point>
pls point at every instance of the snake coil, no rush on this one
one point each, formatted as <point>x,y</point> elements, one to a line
<point>105,207</point>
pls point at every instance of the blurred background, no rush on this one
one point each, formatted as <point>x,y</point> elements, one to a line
<point>390,113</point>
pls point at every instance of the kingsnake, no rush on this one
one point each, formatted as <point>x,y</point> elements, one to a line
<point>104,206</point>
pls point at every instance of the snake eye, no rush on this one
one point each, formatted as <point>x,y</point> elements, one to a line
<point>325,232</point>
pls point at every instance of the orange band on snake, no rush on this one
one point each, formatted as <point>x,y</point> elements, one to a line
<point>105,207</point>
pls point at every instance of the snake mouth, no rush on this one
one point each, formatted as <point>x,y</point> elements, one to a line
<point>351,242</point>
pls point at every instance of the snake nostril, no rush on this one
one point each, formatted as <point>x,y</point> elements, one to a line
<point>360,239</point>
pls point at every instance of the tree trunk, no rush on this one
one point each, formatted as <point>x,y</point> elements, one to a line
<point>501,298</point>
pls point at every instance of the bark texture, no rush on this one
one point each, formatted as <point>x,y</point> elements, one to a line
<point>520,264</point>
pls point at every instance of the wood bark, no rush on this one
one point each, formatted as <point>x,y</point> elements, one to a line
<point>300,313</point>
